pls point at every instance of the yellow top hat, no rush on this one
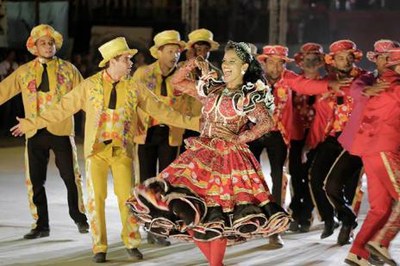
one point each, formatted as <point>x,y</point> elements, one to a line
<point>113,48</point>
<point>166,37</point>
<point>202,35</point>
<point>41,31</point>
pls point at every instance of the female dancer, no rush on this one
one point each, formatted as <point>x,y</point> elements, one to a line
<point>215,191</point>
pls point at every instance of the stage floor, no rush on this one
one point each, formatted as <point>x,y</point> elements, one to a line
<point>66,246</point>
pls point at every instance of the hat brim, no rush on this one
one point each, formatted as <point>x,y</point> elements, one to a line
<point>357,56</point>
<point>214,45</point>
<point>154,48</point>
<point>130,52</point>
<point>298,57</point>
<point>373,55</point>
<point>262,57</point>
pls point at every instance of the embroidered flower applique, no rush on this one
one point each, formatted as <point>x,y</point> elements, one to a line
<point>32,86</point>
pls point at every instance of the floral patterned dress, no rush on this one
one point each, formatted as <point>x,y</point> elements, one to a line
<point>217,178</point>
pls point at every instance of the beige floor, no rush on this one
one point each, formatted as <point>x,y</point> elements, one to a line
<point>66,246</point>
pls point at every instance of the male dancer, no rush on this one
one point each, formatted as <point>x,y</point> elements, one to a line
<point>42,82</point>
<point>310,59</point>
<point>201,43</point>
<point>282,81</point>
<point>341,58</point>
<point>158,143</point>
<point>377,142</point>
<point>343,176</point>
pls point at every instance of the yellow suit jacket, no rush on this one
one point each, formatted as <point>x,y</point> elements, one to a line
<point>150,76</point>
<point>89,96</point>
<point>63,77</point>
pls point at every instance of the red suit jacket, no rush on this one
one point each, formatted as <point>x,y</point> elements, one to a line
<point>283,114</point>
<point>323,123</point>
<point>379,129</point>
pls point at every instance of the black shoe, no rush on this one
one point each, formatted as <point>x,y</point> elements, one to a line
<point>99,257</point>
<point>294,226</point>
<point>304,228</point>
<point>375,260</point>
<point>381,252</point>
<point>346,234</point>
<point>83,227</point>
<point>328,229</point>
<point>276,241</point>
<point>37,233</point>
<point>336,224</point>
<point>135,253</point>
<point>271,208</point>
<point>152,239</point>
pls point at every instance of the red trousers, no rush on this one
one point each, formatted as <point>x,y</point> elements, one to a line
<point>383,218</point>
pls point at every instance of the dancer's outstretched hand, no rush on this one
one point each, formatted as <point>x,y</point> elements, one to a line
<point>375,89</point>
<point>335,85</point>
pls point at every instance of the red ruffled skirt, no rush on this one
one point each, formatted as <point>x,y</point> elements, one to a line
<point>221,182</point>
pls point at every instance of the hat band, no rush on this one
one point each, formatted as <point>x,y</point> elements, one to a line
<point>168,41</point>
<point>273,54</point>
<point>115,53</point>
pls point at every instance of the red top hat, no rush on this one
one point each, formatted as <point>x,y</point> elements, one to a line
<point>381,47</point>
<point>275,50</point>
<point>342,46</point>
<point>394,57</point>
<point>308,48</point>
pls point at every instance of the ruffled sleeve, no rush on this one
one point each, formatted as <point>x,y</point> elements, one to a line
<point>198,89</point>
<point>263,122</point>
<point>257,103</point>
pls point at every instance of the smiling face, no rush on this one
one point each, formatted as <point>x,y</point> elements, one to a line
<point>168,55</point>
<point>232,68</point>
<point>121,65</point>
<point>45,47</point>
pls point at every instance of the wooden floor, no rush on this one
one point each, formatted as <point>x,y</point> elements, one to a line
<point>66,246</point>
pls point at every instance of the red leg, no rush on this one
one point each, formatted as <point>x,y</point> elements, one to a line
<point>217,252</point>
<point>205,247</point>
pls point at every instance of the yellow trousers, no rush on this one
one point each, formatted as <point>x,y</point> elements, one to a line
<point>97,167</point>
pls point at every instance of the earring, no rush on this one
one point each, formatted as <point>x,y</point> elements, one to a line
<point>243,72</point>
